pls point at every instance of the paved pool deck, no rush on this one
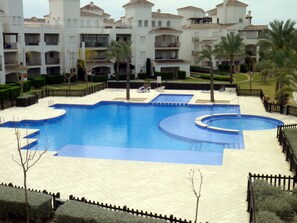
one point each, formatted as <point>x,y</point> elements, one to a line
<point>155,187</point>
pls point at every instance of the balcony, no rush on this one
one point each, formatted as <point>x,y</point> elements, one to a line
<point>32,39</point>
<point>10,46</point>
<point>94,40</point>
<point>33,59</point>
<point>195,53</point>
<point>167,44</point>
<point>195,39</point>
<point>52,58</point>
<point>51,39</point>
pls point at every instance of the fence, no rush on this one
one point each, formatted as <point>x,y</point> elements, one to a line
<point>250,92</point>
<point>287,148</point>
<point>125,209</point>
<point>287,183</point>
<point>56,197</point>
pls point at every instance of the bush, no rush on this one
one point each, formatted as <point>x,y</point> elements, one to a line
<point>142,75</point>
<point>38,82</point>
<point>215,77</point>
<point>244,68</point>
<point>99,78</point>
<point>12,204</point>
<point>74,211</point>
<point>224,67</point>
<point>267,217</point>
<point>181,74</point>
<point>165,75</point>
<point>198,69</point>
<point>278,205</point>
<point>263,190</point>
<point>123,77</point>
<point>4,94</point>
<point>26,86</point>
<point>14,92</point>
<point>54,79</point>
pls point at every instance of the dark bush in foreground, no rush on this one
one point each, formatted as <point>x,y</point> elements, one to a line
<point>4,94</point>
<point>99,78</point>
<point>267,217</point>
<point>79,212</point>
<point>12,204</point>
<point>38,82</point>
<point>181,74</point>
<point>141,75</point>
<point>165,75</point>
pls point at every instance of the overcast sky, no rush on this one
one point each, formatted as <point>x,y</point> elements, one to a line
<point>263,11</point>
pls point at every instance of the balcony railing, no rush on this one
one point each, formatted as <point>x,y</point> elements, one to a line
<point>32,43</point>
<point>10,46</point>
<point>195,39</point>
<point>167,45</point>
<point>96,44</point>
<point>165,58</point>
<point>195,53</point>
<point>34,63</point>
<point>53,61</point>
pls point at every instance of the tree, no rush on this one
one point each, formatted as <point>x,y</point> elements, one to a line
<point>230,47</point>
<point>197,192</point>
<point>26,162</point>
<point>126,54</point>
<point>208,54</point>
<point>114,52</point>
<point>68,76</point>
<point>278,46</point>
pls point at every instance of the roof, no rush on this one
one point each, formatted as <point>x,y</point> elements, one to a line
<point>91,6</point>
<point>192,8</point>
<point>165,30</point>
<point>165,15</point>
<point>233,3</point>
<point>89,14</point>
<point>138,2</point>
<point>34,19</point>
<point>255,28</point>
<point>172,61</point>
<point>212,11</point>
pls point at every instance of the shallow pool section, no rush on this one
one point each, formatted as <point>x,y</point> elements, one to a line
<point>172,98</point>
<point>240,122</point>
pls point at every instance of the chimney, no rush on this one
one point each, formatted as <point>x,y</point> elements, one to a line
<point>159,10</point>
<point>249,17</point>
<point>92,4</point>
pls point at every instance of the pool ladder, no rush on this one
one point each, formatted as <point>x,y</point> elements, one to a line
<point>2,119</point>
<point>196,146</point>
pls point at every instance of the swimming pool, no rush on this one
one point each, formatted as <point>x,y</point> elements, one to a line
<point>144,132</point>
<point>172,98</point>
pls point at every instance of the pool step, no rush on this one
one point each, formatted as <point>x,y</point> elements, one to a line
<point>196,146</point>
<point>170,103</point>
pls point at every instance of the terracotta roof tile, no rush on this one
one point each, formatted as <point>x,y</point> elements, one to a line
<point>233,3</point>
<point>138,2</point>
<point>165,15</point>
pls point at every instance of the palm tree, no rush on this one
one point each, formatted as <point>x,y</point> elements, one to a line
<point>126,54</point>
<point>208,54</point>
<point>114,52</point>
<point>231,47</point>
<point>278,46</point>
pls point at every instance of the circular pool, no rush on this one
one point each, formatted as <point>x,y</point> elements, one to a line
<point>240,122</point>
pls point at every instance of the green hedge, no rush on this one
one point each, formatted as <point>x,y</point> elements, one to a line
<point>26,85</point>
<point>275,200</point>
<point>38,82</point>
<point>12,204</point>
<point>267,217</point>
<point>198,69</point>
<point>4,94</point>
<point>181,74</point>
<point>244,68</point>
<point>165,75</point>
<point>98,78</point>
<point>74,211</point>
<point>224,67</point>
<point>123,77</point>
<point>141,75</point>
<point>14,92</point>
<point>291,136</point>
<point>53,79</point>
<point>215,77</point>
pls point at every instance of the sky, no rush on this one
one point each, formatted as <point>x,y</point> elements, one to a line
<point>263,11</point>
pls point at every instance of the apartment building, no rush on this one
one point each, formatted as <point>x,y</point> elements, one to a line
<point>167,42</point>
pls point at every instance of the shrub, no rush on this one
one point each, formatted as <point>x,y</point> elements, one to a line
<point>278,205</point>
<point>99,78</point>
<point>26,86</point>
<point>165,75</point>
<point>224,67</point>
<point>54,79</point>
<point>14,92</point>
<point>215,77</point>
<point>4,94</point>
<point>74,211</point>
<point>123,77</point>
<point>12,203</point>
<point>198,69</point>
<point>267,217</point>
<point>263,190</point>
<point>181,74</point>
<point>244,68</point>
<point>38,82</point>
<point>142,75</point>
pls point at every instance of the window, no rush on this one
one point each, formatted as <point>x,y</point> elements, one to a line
<point>159,23</point>
<point>145,23</point>
<point>88,23</point>
<point>13,20</point>
<point>240,20</point>
<point>97,23</point>
<point>19,20</point>
<point>139,23</point>
<point>142,54</point>
<point>74,23</point>
<point>168,24</point>
<point>218,20</point>
<point>142,39</point>
<point>69,22</point>
<point>153,24</point>
<point>51,55</point>
<point>82,23</point>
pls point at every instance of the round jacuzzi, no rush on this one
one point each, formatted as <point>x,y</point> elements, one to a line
<point>238,122</point>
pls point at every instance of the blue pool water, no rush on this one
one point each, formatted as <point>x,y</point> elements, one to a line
<point>144,132</point>
<point>242,122</point>
<point>172,98</point>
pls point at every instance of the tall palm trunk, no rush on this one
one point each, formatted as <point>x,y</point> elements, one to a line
<point>118,70</point>
<point>231,69</point>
